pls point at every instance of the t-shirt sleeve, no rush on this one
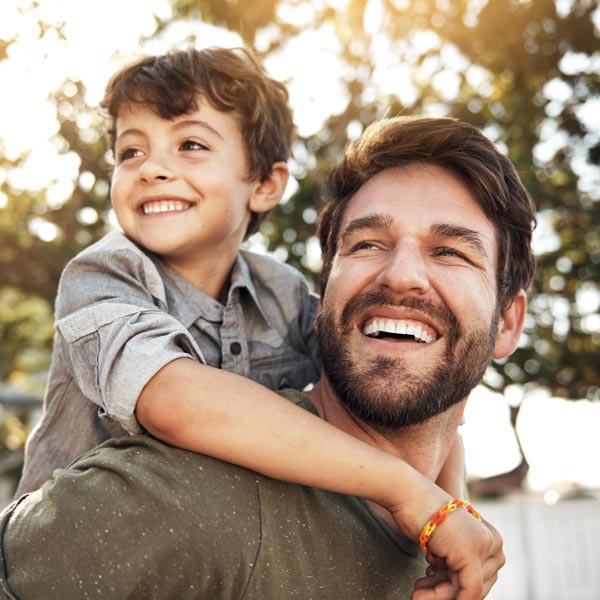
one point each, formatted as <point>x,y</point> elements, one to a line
<point>112,320</point>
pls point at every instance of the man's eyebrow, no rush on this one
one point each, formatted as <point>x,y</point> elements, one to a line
<point>375,221</point>
<point>470,236</point>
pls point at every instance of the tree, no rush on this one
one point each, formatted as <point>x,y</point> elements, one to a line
<point>523,71</point>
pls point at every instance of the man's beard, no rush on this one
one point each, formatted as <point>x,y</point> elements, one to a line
<point>382,392</point>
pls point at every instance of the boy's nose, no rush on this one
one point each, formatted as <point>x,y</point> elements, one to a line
<point>154,169</point>
<point>405,269</point>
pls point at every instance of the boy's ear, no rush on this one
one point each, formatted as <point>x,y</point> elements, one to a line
<point>510,326</point>
<point>268,193</point>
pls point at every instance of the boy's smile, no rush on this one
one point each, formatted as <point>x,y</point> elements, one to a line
<point>162,205</point>
<point>180,188</point>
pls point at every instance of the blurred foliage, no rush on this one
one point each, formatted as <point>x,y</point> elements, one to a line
<point>520,70</point>
<point>26,332</point>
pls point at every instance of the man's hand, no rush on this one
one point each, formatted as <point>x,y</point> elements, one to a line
<point>464,557</point>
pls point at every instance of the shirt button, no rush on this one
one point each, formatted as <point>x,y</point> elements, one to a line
<point>235,348</point>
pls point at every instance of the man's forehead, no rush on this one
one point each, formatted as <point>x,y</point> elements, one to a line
<point>430,198</point>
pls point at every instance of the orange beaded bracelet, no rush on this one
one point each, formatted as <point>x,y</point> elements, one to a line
<point>441,515</point>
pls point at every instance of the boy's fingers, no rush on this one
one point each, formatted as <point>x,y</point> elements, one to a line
<point>443,590</point>
<point>433,579</point>
<point>435,564</point>
<point>470,581</point>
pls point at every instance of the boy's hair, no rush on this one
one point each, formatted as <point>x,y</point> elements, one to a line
<point>231,80</point>
<point>463,150</point>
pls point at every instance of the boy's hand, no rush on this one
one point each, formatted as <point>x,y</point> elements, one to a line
<point>465,556</point>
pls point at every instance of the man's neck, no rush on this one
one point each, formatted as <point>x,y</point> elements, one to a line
<point>424,446</point>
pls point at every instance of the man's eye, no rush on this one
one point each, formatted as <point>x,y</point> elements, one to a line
<point>188,145</point>
<point>451,252</point>
<point>364,246</point>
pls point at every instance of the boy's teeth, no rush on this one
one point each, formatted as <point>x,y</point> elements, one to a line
<point>151,208</point>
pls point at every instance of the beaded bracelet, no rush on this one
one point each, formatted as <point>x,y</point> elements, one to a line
<point>441,515</point>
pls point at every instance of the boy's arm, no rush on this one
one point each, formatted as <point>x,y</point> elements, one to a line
<point>215,412</point>
<point>237,420</point>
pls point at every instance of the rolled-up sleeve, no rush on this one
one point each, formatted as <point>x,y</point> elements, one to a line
<point>115,349</point>
<point>115,330</point>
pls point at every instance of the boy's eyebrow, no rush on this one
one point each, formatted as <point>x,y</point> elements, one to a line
<point>127,132</point>
<point>178,126</point>
<point>196,123</point>
<point>470,236</point>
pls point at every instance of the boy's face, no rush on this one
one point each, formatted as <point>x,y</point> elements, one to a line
<point>179,186</point>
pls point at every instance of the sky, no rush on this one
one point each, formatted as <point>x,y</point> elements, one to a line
<point>559,438</point>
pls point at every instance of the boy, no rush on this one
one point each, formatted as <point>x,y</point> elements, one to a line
<point>157,325</point>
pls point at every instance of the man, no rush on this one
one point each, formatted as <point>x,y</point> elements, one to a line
<point>426,256</point>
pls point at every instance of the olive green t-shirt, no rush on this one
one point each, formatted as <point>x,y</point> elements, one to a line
<point>136,518</point>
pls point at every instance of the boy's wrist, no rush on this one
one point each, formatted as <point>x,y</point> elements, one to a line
<point>412,506</point>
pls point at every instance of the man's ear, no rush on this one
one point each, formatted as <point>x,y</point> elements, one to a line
<point>318,314</point>
<point>510,326</point>
<point>267,193</point>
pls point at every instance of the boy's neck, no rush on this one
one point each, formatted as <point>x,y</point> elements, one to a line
<point>211,275</point>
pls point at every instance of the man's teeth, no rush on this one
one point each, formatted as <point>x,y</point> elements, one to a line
<point>151,208</point>
<point>377,326</point>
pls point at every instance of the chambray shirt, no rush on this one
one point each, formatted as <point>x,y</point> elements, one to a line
<point>122,314</point>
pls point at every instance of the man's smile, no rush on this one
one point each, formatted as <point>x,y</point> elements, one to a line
<point>400,329</point>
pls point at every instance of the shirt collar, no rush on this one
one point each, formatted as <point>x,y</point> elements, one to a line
<point>241,279</point>
<point>188,304</point>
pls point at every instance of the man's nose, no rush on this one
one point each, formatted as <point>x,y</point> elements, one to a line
<point>405,269</point>
<point>155,168</point>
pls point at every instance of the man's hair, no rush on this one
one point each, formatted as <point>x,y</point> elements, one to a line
<point>231,80</point>
<point>462,149</point>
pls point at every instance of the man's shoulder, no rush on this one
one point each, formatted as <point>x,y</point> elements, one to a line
<point>133,482</point>
<point>189,521</point>
<point>146,458</point>
<point>138,506</point>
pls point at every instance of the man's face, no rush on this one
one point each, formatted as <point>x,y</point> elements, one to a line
<point>410,316</point>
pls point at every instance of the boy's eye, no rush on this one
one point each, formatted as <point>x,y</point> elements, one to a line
<point>128,153</point>
<point>193,145</point>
